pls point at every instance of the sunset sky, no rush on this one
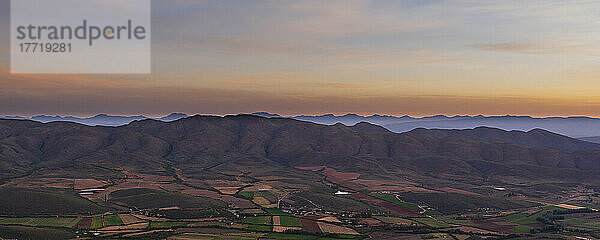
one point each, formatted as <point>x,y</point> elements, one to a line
<point>416,57</point>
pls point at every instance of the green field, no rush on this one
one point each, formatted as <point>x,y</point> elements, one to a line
<point>51,222</point>
<point>28,202</point>
<point>288,221</point>
<point>96,222</point>
<point>533,218</point>
<point>431,222</point>
<point>594,206</point>
<point>248,195</point>
<point>392,198</point>
<point>21,232</point>
<point>455,203</point>
<point>580,223</point>
<point>150,198</point>
<point>522,229</point>
<point>265,220</point>
<point>515,216</point>
<point>261,228</point>
<point>40,222</point>
<point>112,220</point>
<point>14,221</point>
<point>74,222</point>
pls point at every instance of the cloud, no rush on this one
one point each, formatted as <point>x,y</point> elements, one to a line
<point>540,48</point>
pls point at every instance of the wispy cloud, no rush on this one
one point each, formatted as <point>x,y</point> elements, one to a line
<point>540,47</point>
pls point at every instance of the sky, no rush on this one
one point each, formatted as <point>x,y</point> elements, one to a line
<point>398,57</point>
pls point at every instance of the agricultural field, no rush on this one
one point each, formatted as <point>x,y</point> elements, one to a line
<point>336,229</point>
<point>275,211</point>
<point>23,202</point>
<point>260,228</point>
<point>129,219</point>
<point>167,224</point>
<point>157,206</point>
<point>247,195</point>
<point>23,232</point>
<point>97,222</point>
<point>451,203</point>
<point>40,222</point>
<point>522,229</point>
<point>431,222</point>
<point>290,221</point>
<point>263,220</point>
<point>393,198</point>
<point>112,220</point>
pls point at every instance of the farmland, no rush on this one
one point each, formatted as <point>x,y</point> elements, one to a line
<point>393,198</point>
<point>290,221</point>
<point>112,220</point>
<point>317,214</point>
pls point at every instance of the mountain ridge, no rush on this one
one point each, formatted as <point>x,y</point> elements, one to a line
<point>198,142</point>
<point>574,126</point>
<point>97,120</point>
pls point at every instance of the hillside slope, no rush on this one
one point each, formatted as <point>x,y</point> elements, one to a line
<point>532,138</point>
<point>200,142</point>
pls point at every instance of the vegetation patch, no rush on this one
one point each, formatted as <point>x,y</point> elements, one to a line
<point>522,229</point>
<point>112,220</point>
<point>14,221</point>
<point>431,222</point>
<point>290,236</point>
<point>96,222</point>
<point>51,222</point>
<point>24,201</point>
<point>74,223</point>
<point>168,224</point>
<point>290,221</point>
<point>266,220</point>
<point>145,198</point>
<point>515,216</point>
<point>21,232</point>
<point>393,199</point>
<point>247,195</point>
<point>193,213</point>
<point>452,203</point>
<point>41,222</point>
<point>260,228</point>
<point>275,211</point>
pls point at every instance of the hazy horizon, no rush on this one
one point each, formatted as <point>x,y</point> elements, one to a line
<point>340,114</point>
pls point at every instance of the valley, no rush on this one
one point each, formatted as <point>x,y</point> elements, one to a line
<point>247,177</point>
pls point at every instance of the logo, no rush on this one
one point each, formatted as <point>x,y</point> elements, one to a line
<point>80,36</point>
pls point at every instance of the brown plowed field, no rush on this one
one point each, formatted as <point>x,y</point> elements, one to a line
<point>85,223</point>
<point>331,228</point>
<point>310,226</point>
<point>88,183</point>
<point>489,225</point>
<point>129,219</point>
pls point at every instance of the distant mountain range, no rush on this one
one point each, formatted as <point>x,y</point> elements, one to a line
<point>583,128</point>
<point>239,142</point>
<point>586,128</point>
<point>98,120</point>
